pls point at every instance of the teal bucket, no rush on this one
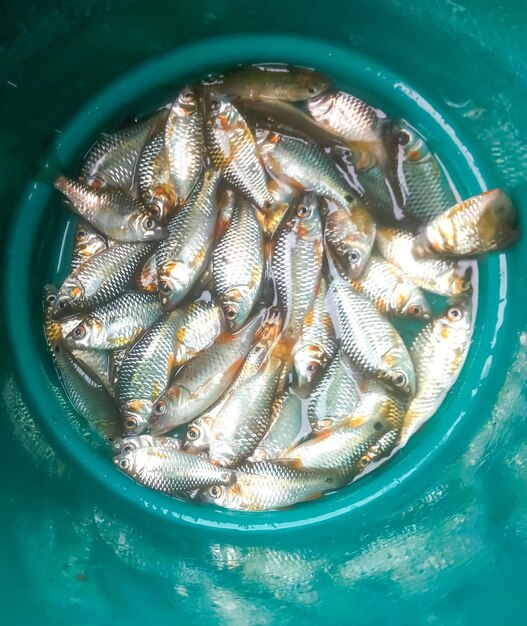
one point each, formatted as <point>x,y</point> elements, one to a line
<point>439,533</point>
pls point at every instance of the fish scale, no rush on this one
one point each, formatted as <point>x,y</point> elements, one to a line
<point>237,262</point>
<point>369,340</point>
<point>307,165</point>
<point>113,159</point>
<point>297,263</point>
<point>163,468</point>
<point>232,148</point>
<point>153,168</point>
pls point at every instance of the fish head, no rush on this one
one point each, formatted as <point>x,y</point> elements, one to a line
<point>106,428</point>
<point>161,201</point>
<point>174,279</point>
<point>309,364</point>
<point>227,496</point>
<point>453,327</point>
<point>236,304</point>
<point>320,107</point>
<point>455,280</point>
<point>349,236</point>
<point>266,140</point>
<point>88,333</point>
<point>123,445</point>
<point>414,148</point>
<point>399,372</point>
<point>88,241</point>
<point>68,298</point>
<point>169,410</point>
<point>135,414</point>
<point>135,462</point>
<point>219,111</point>
<point>187,103</point>
<point>143,226</point>
<point>304,217</point>
<point>198,434</point>
<point>307,83</point>
<point>408,300</point>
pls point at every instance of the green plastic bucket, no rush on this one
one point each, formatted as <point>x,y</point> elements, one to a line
<point>439,534</point>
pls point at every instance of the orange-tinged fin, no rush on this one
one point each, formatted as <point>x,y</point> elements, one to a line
<point>295,464</point>
<point>353,421</point>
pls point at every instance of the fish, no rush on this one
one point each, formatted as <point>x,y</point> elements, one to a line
<point>146,280</point>
<point>185,143</point>
<point>371,342</point>
<point>304,166</point>
<point>483,223</point>
<point>183,256</point>
<point>286,427</point>
<point>349,236</point>
<point>147,367</point>
<point>116,324</point>
<point>127,444</point>
<point>271,81</point>
<point>111,211</point>
<point>232,149</point>
<point>201,382</point>
<point>100,279</point>
<point>297,261</point>
<point>237,265</point>
<point>87,394</point>
<point>315,348</point>
<point>343,452</point>
<point>336,395</point>
<point>112,160</point>
<point>88,241</point>
<point>269,485</point>
<point>391,291</point>
<point>154,179</point>
<point>427,189</point>
<point>163,468</point>
<point>246,413</point>
<point>360,126</point>
<point>446,277</point>
<point>197,437</point>
<point>438,352</point>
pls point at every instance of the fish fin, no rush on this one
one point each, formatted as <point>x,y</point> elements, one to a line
<point>295,464</point>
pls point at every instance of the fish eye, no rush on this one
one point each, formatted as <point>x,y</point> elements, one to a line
<point>155,208</point>
<point>149,223</point>
<point>165,288</point>
<point>364,460</point>
<point>303,211</point>
<point>454,314</point>
<point>215,105</point>
<point>312,90</point>
<point>62,304</point>
<point>129,447</point>
<point>354,256</point>
<point>215,491</point>
<point>403,137</point>
<point>160,407</point>
<point>400,379</point>
<point>131,422</point>
<point>124,463</point>
<point>110,438</point>
<point>259,132</point>
<point>275,314</point>
<point>267,204</point>
<point>193,433</point>
<point>79,331</point>
<point>312,367</point>
<point>231,313</point>
<point>81,234</point>
<point>50,299</point>
<point>414,310</point>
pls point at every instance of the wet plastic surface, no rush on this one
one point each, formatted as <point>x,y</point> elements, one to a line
<point>439,535</point>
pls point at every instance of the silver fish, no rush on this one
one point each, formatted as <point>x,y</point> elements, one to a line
<point>127,444</point>
<point>270,485</point>
<point>371,342</point>
<point>297,261</point>
<point>184,141</point>
<point>202,381</point>
<point>163,468</point>
<point>483,223</point>
<point>388,288</point>
<point>111,211</point>
<point>443,276</point>
<point>237,265</point>
<point>197,438</point>
<point>183,256</point>
<point>100,279</point>
<point>88,241</point>
<point>232,149</point>
<point>154,179</point>
<point>316,346</point>
<point>116,324</point>
<point>98,362</point>
<point>305,166</point>
<point>438,352</point>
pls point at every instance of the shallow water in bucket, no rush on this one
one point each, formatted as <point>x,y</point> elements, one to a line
<point>411,534</point>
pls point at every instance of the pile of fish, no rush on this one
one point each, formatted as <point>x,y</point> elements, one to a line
<point>242,271</point>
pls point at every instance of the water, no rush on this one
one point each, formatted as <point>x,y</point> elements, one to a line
<point>395,200</point>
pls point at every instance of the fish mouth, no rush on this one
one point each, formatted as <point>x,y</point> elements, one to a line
<point>321,105</point>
